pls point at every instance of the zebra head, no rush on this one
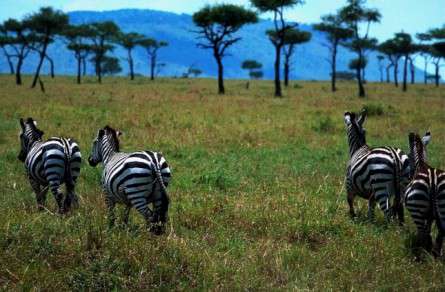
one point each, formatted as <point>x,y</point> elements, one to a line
<point>29,134</point>
<point>106,143</point>
<point>356,132</point>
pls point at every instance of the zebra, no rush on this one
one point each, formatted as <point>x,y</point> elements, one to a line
<point>134,179</point>
<point>376,174</point>
<point>49,164</point>
<point>425,196</point>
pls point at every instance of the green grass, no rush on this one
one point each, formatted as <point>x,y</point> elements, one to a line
<point>257,196</point>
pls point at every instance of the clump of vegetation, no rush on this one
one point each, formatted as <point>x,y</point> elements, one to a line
<point>324,125</point>
<point>374,109</point>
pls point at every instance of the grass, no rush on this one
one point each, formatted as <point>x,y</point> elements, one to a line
<point>258,200</point>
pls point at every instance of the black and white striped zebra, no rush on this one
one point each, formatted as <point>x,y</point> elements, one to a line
<point>425,196</point>
<point>378,174</point>
<point>134,179</point>
<point>49,164</point>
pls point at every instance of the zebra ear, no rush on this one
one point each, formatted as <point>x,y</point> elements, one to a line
<point>348,118</point>
<point>362,117</point>
<point>22,124</point>
<point>101,133</point>
<point>119,133</point>
<point>426,139</point>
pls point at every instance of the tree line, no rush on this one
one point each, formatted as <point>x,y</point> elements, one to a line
<point>349,27</point>
<point>217,26</point>
<point>93,42</point>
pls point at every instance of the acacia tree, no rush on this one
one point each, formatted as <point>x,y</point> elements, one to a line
<point>390,50</point>
<point>102,36</point>
<point>217,25</point>
<point>277,35</point>
<point>336,32</point>
<point>152,47</point>
<point>129,41</point>
<point>438,36</point>
<point>404,47</point>
<point>77,43</point>
<point>110,65</point>
<point>4,43</point>
<point>292,38</point>
<point>18,37</point>
<point>252,66</point>
<point>424,50</point>
<point>45,23</point>
<point>358,18</point>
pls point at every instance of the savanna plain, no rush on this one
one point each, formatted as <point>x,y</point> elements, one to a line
<point>257,197</point>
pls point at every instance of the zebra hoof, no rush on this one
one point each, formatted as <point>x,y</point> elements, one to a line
<point>156,229</point>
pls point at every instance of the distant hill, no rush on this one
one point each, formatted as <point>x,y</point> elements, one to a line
<point>177,29</point>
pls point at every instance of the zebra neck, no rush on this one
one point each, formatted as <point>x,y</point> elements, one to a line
<point>107,154</point>
<point>357,148</point>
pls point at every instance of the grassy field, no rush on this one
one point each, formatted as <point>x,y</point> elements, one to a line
<point>258,200</point>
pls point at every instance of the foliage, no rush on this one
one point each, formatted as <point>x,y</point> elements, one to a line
<point>217,25</point>
<point>110,66</point>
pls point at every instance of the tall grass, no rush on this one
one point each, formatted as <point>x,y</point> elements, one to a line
<point>258,200</point>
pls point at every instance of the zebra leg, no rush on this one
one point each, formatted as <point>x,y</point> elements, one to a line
<point>71,198</point>
<point>382,197</point>
<point>437,249</point>
<point>371,208</point>
<point>54,186</point>
<point>111,216</point>
<point>126,214</point>
<point>40,194</point>
<point>350,198</point>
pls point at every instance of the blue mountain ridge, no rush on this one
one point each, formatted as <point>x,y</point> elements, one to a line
<point>309,61</point>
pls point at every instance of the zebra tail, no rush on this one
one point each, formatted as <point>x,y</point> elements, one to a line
<point>68,174</point>
<point>161,182</point>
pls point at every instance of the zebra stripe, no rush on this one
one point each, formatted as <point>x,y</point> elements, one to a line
<point>425,196</point>
<point>377,174</point>
<point>135,179</point>
<point>49,164</point>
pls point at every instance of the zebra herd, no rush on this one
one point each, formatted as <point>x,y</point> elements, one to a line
<point>383,175</point>
<point>391,178</point>
<point>134,179</point>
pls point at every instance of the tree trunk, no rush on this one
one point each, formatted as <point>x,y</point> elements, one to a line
<point>79,68</point>
<point>84,65</point>
<point>8,58</point>
<point>130,63</point>
<point>405,73</point>
<point>99,69</point>
<point>42,57</point>
<point>18,74</point>
<point>425,72</point>
<point>152,66</point>
<point>361,89</point>
<point>437,74</point>
<point>51,66</point>
<point>221,89</point>
<point>334,68</point>
<point>277,71</point>
<point>381,73</point>
<point>396,72</point>
<point>412,71</point>
<point>286,72</point>
<point>388,75</point>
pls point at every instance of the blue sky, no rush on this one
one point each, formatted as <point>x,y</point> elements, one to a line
<point>408,15</point>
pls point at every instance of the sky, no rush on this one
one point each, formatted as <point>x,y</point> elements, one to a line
<point>411,16</point>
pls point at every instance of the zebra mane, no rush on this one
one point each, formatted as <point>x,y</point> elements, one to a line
<point>36,134</point>
<point>356,133</point>
<point>417,153</point>
<point>114,136</point>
